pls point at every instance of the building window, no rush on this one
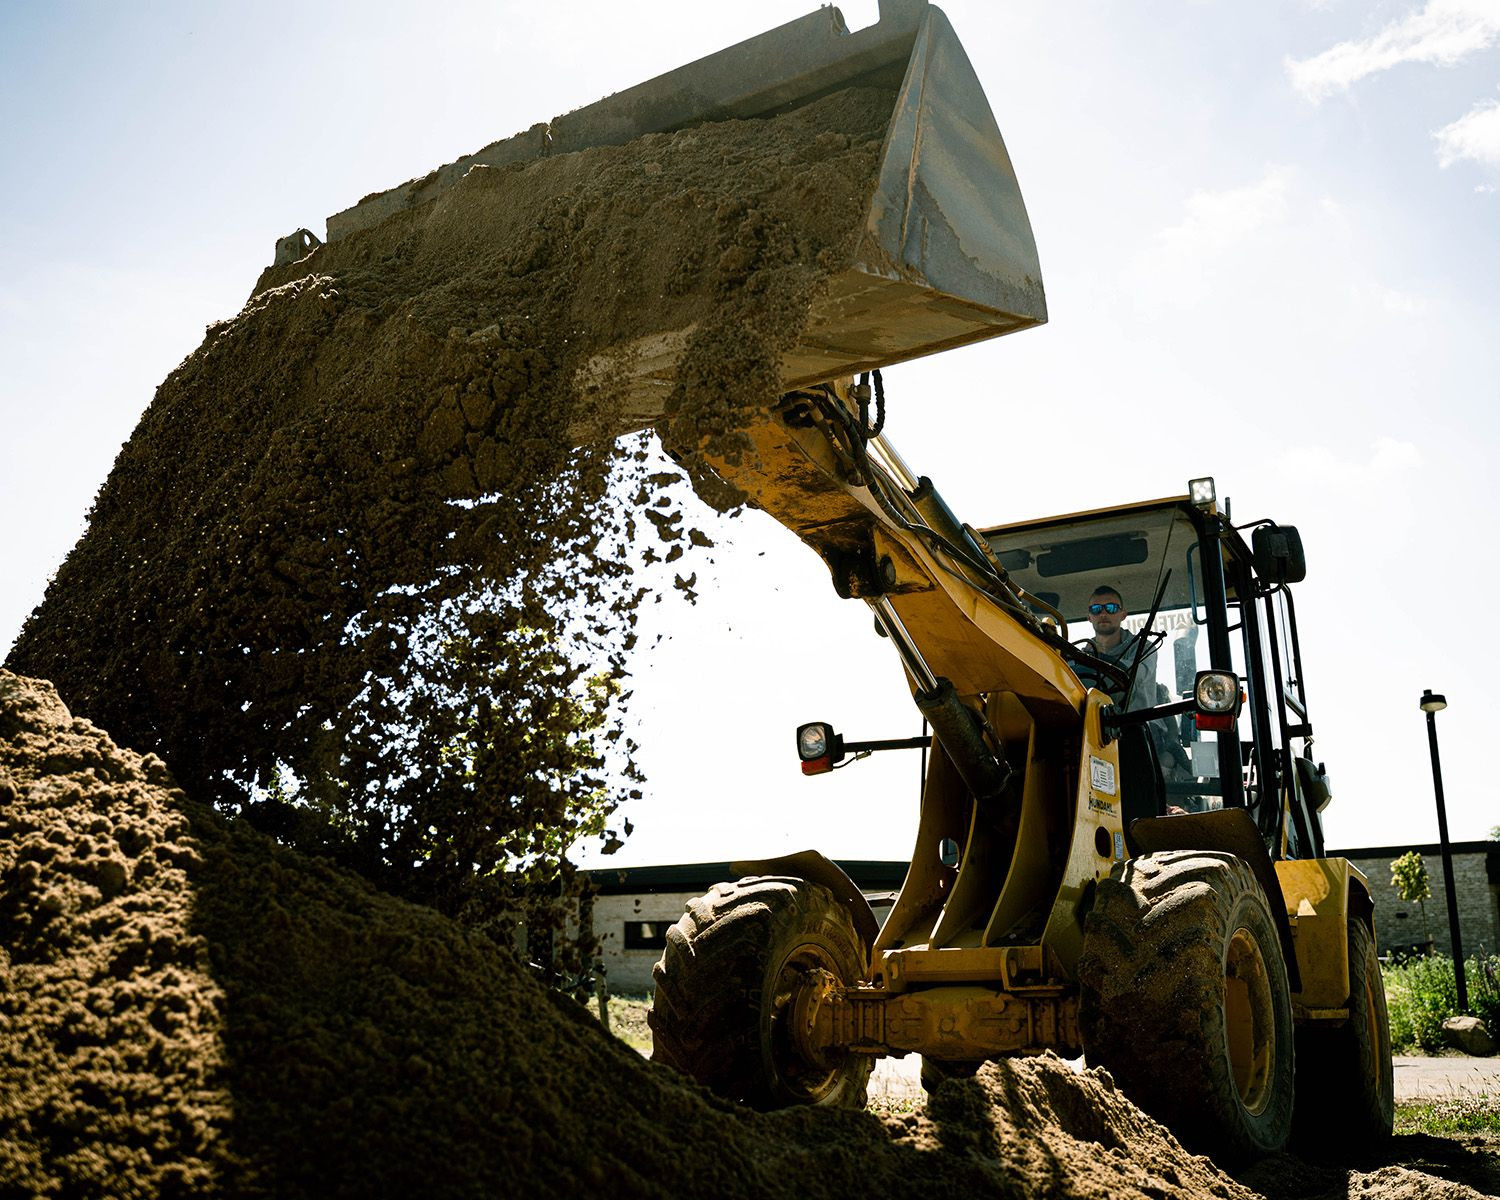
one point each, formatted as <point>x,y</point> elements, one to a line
<point>646,935</point>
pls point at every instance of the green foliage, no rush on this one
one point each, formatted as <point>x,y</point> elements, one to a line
<point>1409,878</point>
<point>1482,974</point>
<point>1459,1114</point>
<point>1422,992</point>
<point>1419,995</point>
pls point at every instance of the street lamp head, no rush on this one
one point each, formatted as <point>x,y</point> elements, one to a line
<point>1432,702</point>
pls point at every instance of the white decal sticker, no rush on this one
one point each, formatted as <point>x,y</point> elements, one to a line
<point>1102,775</point>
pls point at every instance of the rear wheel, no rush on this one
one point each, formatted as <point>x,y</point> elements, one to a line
<point>737,987</point>
<point>1184,998</point>
<point>1345,1079</point>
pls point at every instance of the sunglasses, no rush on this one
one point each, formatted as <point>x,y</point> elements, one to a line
<point>1111,609</point>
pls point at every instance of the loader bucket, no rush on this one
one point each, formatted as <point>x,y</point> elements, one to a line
<point>946,256</point>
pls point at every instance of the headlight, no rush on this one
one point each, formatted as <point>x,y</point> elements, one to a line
<point>1216,692</point>
<point>819,747</point>
<point>1217,697</point>
<point>812,741</point>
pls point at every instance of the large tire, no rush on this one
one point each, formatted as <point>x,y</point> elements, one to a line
<point>1346,1098</point>
<point>727,985</point>
<point>1184,998</point>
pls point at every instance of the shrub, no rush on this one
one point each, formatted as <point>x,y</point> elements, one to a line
<point>1483,976</point>
<point>1422,993</point>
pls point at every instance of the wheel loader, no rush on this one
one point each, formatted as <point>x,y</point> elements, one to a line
<point>1118,857</point>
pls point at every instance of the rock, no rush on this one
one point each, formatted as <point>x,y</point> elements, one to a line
<point>1469,1035</point>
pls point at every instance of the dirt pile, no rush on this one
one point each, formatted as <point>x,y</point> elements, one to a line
<point>111,1063</point>
<point>191,1010</point>
<point>351,576</point>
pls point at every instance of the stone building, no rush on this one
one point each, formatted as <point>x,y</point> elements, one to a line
<point>1401,926</point>
<point>634,907</point>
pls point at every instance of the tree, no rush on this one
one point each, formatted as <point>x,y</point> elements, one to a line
<point>1409,878</point>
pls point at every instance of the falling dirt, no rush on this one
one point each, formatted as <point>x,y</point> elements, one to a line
<point>358,508</point>
<point>350,534</point>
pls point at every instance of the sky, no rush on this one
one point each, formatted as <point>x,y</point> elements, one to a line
<point>1269,235</point>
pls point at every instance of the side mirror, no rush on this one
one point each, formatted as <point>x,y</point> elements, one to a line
<point>1316,789</point>
<point>1277,550</point>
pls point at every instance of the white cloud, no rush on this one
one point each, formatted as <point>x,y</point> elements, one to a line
<point>1220,235</point>
<point>1391,300</point>
<point>1381,484</point>
<point>1475,135</point>
<point>1389,460</point>
<point>1214,222</point>
<point>1442,32</point>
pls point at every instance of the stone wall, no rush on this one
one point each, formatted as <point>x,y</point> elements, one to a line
<point>1400,925</point>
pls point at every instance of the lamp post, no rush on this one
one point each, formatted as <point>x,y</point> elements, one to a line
<point>1432,704</point>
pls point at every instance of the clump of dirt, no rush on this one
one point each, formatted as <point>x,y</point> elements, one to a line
<point>351,575</point>
<point>192,1010</point>
<point>111,1059</point>
<point>1409,1167</point>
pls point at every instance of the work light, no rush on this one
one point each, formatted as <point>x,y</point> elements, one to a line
<point>819,747</point>
<point>1217,697</point>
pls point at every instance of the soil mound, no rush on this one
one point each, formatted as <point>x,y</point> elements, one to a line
<point>191,1010</point>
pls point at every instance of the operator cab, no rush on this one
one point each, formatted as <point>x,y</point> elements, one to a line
<point>1214,602</point>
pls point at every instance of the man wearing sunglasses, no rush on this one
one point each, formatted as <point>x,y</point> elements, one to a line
<point>1113,642</point>
<point>1116,644</point>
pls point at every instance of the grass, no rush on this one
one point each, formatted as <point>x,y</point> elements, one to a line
<point>627,1020</point>
<point>1444,1118</point>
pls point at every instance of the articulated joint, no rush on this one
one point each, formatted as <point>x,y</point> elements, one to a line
<point>947,1023</point>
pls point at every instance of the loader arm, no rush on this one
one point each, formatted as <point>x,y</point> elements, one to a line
<point>947,607</point>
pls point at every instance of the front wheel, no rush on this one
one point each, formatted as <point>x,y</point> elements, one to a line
<point>741,970</point>
<point>1184,998</point>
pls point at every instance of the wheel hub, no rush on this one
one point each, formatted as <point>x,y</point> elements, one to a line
<point>1250,1023</point>
<point>812,990</point>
